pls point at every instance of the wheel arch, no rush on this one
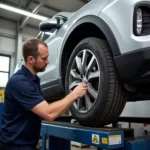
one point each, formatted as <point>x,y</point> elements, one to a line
<point>89,26</point>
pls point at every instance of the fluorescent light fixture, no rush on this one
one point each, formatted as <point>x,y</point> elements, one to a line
<point>22,12</point>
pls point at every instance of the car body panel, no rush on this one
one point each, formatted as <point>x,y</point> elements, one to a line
<point>122,25</point>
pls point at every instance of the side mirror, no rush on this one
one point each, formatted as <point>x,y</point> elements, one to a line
<point>50,24</point>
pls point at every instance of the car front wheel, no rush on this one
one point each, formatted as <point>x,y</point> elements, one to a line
<point>91,62</point>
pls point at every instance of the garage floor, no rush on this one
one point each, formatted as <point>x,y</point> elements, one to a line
<point>85,148</point>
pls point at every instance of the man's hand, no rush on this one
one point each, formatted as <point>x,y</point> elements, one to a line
<point>80,90</point>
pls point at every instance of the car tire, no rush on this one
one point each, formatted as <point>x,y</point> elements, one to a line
<point>92,62</point>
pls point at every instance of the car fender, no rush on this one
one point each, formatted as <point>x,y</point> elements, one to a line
<point>102,26</point>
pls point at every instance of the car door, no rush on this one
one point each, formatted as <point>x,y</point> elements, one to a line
<point>49,77</point>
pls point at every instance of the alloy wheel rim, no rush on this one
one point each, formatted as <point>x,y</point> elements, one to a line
<point>85,68</point>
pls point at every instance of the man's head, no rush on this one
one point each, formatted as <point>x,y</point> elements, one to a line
<point>35,53</point>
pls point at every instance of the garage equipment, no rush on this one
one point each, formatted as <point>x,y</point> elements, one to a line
<point>1,104</point>
<point>61,133</point>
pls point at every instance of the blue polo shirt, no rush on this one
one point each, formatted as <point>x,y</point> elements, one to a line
<point>19,124</point>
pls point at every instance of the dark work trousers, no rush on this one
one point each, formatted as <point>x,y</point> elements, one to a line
<point>6,146</point>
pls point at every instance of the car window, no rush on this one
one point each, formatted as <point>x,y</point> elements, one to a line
<point>46,35</point>
<point>39,35</point>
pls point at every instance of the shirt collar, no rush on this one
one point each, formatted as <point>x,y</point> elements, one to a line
<point>29,74</point>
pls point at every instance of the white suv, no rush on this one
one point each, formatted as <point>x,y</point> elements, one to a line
<point>106,44</point>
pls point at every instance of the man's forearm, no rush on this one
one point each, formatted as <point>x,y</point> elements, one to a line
<point>52,111</point>
<point>59,107</point>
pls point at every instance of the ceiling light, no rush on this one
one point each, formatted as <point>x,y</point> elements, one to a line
<point>22,12</point>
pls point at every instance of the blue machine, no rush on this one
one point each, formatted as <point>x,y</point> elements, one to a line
<point>61,133</point>
<point>141,143</point>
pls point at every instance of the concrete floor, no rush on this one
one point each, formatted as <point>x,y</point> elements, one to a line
<point>85,148</point>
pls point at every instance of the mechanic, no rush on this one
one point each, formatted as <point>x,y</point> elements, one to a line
<point>24,104</point>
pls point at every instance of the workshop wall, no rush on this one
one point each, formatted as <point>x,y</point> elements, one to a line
<point>8,41</point>
<point>137,109</point>
<point>29,33</point>
<point>8,28</point>
<point>24,35</point>
<point>9,37</point>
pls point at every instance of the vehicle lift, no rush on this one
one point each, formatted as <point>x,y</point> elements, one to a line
<point>60,134</point>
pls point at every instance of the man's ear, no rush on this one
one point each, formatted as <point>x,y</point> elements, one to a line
<point>31,59</point>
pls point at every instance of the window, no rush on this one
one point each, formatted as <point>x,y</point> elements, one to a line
<point>46,36</point>
<point>4,70</point>
<point>39,36</point>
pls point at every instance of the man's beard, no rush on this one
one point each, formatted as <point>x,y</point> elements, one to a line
<point>37,69</point>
